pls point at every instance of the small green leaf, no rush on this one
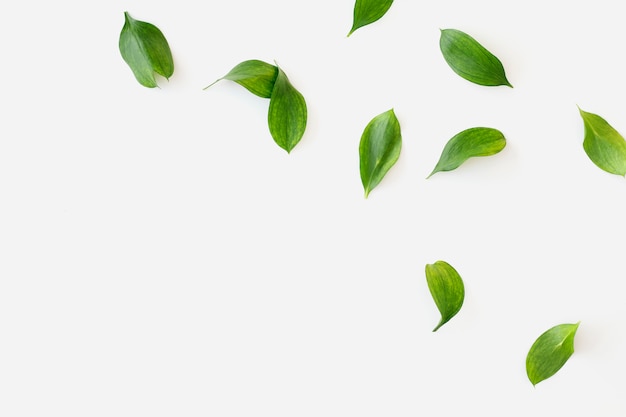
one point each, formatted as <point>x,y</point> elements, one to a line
<point>287,114</point>
<point>368,11</point>
<point>603,144</point>
<point>145,50</point>
<point>379,149</point>
<point>477,141</point>
<point>550,352</point>
<point>470,59</point>
<point>256,76</point>
<point>447,289</point>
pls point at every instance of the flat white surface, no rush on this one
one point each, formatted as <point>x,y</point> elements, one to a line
<point>161,256</point>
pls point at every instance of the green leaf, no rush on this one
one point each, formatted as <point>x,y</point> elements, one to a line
<point>470,59</point>
<point>145,50</point>
<point>256,76</point>
<point>477,141</point>
<point>550,352</point>
<point>287,114</point>
<point>447,289</point>
<point>379,149</point>
<point>603,144</point>
<point>368,11</point>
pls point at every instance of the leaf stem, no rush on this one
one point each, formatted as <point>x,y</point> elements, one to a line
<point>211,84</point>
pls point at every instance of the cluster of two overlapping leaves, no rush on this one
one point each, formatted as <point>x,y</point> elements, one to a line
<point>287,114</point>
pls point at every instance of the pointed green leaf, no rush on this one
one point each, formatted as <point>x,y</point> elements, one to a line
<point>287,114</point>
<point>145,50</point>
<point>447,289</point>
<point>477,141</point>
<point>368,11</point>
<point>256,76</point>
<point>550,352</point>
<point>603,144</point>
<point>379,149</point>
<point>470,59</point>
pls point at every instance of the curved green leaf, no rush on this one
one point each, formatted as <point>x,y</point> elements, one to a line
<point>446,287</point>
<point>145,50</point>
<point>368,11</point>
<point>470,59</point>
<point>287,114</point>
<point>477,141</point>
<point>256,76</point>
<point>379,149</point>
<point>603,144</point>
<point>550,352</point>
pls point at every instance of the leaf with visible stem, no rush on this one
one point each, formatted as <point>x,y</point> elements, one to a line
<point>604,145</point>
<point>256,76</point>
<point>447,289</point>
<point>146,51</point>
<point>379,149</point>
<point>287,115</point>
<point>476,141</point>
<point>368,11</point>
<point>550,352</point>
<point>470,60</point>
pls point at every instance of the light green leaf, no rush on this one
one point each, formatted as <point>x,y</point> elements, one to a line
<point>477,141</point>
<point>550,352</point>
<point>368,11</point>
<point>145,50</point>
<point>446,287</point>
<point>287,114</point>
<point>379,149</point>
<point>603,144</point>
<point>256,76</point>
<point>470,59</point>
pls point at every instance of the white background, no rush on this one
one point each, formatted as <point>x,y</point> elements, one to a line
<point>160,255</point>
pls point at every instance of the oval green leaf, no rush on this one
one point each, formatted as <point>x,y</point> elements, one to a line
<point>256,76</point>
<point>379,149</point>
<point>287,115</point>
<point>446,287</point>
<point>550,352</point>
<point>477,141</point>
<point>603,144</point>
<point>145,50</point>
<point>470,59</point>
<point>368,11</point>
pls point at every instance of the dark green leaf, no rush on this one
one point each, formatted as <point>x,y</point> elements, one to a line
<point>256,76</point>
<point>368,11</point>
<point>287,114</point>
<point>379,149</point>
<point>550,352</point>
<point>477,141</point>
<point>447,289</point>
<point>603,144</point>
<point>470,59</point>
<point>145,50</point>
